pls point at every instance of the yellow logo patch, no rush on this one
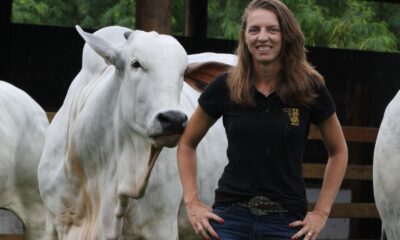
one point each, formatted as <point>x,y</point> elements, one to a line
<point>294,114</point>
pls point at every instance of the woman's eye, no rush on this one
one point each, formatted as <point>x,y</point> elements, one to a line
<point>252,30</point>
<point>135,64</point>
<point>274,30</point>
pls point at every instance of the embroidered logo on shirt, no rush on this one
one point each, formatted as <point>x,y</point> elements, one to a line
<point>294,114</point>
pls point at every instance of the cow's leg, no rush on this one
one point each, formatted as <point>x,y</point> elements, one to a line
<point>50,231</point>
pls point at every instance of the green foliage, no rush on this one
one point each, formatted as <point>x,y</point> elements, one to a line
<point>87,13</point>
<point>226,23</point>
<point>58,10</point>
<point>178,17</point>
<point>99,13</point>
<point>122,13</point>
<point>312,20</point>
<point>29,11</point>
<point>343,24</point>
<point>351,24</point>
<point>391,14</point>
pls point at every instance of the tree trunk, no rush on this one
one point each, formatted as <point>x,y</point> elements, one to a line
<point>196,19</point>
<point>154,15</point>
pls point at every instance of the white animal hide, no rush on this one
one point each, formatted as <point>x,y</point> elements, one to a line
<point>386,169</point>
<point>23,124</point>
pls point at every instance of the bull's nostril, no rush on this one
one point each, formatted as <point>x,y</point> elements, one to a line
<point>163,118</point>
<point>172,121</point>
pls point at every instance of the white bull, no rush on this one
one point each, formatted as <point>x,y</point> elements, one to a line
<point>123,107</point>
<point>23,124</point>
<point>386,169</point>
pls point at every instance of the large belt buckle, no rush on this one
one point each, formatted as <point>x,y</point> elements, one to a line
<point>254,202</point>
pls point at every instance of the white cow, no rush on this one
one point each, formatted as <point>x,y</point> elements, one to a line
<point>23,124</point>
<point>386,169</point>
<point>123,107</point>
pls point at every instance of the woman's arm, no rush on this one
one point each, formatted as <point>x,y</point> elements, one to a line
<point>198,213</point>
<point>335,143</point>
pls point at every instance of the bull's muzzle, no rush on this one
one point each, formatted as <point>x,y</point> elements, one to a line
<point>172,121</point>
<point>171,125</point>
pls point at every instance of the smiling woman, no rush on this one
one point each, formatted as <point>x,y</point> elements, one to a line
<point>267,102</point>
<point>263,38</point>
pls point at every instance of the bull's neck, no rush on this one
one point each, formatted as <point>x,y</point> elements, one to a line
<point>94,125</point>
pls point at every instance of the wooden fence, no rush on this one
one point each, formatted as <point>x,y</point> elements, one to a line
<point>354,172</point>
<point>350,210</point>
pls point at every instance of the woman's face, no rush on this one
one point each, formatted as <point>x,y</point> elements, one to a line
<point>263,36</point>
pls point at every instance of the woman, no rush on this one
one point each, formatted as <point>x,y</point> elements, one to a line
<point>267,103</point>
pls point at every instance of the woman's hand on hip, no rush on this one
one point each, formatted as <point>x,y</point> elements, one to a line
<point>311,225</point>
<point>199,215</point>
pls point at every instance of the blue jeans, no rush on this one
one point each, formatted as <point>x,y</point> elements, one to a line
<point>241,224</point>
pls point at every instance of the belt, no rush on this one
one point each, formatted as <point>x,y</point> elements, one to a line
<point>260,205</point>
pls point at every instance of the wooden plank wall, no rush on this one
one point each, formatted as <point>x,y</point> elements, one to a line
<point>354,172</point>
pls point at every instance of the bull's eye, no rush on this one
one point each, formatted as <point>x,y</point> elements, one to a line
<point>135,64</point>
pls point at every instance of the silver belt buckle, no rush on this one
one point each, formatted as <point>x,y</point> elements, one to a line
<point>253,204</point>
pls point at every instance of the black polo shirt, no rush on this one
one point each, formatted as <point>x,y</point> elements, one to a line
<point>265,144</point>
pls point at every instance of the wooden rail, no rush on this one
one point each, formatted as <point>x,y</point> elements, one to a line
<point>352,134</point>
<point>353,172</point>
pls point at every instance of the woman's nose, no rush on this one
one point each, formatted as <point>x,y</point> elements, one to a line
<point>263,36</point>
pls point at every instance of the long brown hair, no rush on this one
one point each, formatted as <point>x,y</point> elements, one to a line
<point>297,78</point>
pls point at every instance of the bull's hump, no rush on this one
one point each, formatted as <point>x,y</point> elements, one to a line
<point>113,33</point>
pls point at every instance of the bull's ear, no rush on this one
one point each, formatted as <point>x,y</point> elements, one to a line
<point>199,75</point>
<point>101,47</point>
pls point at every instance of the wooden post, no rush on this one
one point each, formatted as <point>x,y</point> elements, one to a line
<point>154,15</point>
<point>5,20</point>
<point>196,19</point>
